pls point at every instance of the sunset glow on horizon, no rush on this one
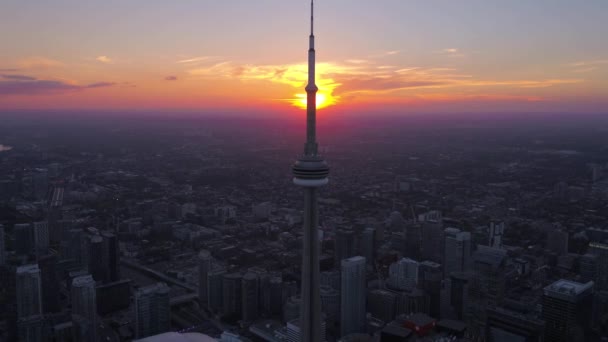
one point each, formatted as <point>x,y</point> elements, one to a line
<point>209,55</point>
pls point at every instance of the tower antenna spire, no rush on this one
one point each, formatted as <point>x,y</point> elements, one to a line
<point>312,17</point>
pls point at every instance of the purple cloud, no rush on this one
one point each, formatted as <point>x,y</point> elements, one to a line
<point>171,78</point>
<point>100,85</point>
<point>25,85</point>
<point>18,77</point>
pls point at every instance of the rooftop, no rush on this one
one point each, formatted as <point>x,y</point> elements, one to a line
<point>567,289</point>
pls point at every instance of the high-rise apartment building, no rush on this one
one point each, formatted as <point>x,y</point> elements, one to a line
<point>29,291</point>
<point>152,310</point>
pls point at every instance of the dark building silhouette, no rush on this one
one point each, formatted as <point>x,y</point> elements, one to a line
<point>567,309</point>
<point>50,283</point>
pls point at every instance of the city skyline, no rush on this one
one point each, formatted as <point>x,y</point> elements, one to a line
<point>400,57</point>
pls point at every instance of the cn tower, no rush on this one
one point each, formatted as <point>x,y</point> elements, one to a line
<point>310,172</point>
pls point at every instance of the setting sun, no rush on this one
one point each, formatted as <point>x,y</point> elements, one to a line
<point>323,100</point>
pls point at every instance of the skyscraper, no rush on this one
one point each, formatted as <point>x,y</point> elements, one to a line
<point>41,237</point>
<point>352,315</point>
<point>84,305</point>
<point>250,296</point>
<point>111,257</point>
<point>344,245</point>
<point>204,266</point>
<point>50,289</point>
<point>232,294</point>
<point>567,310</point>
<point>215,297</point>
<point>601,268</point>
<point>24,238</point>
<point>310,172</point>
<point>457,253</point>
<point>152,310</point>
<point>29,295</point>
<point>403,274</point>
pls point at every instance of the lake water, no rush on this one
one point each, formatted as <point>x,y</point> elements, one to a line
<point>5,148</point>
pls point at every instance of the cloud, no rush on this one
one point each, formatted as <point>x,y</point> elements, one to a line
<point>452,52</point>
<point>196,60</point>
<point>357,61</point>
<point>99,85</point>
<point>587,66</point>
<point>25,85</point>
<point>589,63</point>
<point>17,77</point>
<point>39,63</point>
<point>171,78</point>
<point>337,81</point>
<point>9,70</point>
<point>104,59</point>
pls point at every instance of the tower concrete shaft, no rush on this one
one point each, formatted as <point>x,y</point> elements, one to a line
<point>310,172</point>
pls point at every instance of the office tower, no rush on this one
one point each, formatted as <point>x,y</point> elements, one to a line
<point>413,241</point>
<point>344,245</point>
<point>457,251</point>
<point>601,251</point>
<point>215,289</point>
<point>495,233</point>
<point>24,238</point>
<point>41,237</point>
<point>29,293</point>
<point>152,310</point>
<point>50,283</point>
<point>294,331</point>
<point>84,305</point>
<point>330,302</point>
<point>432,240</point>
<point>567,309</point>
<point>111,257</point>
<point>204,266</point>
<point>95,258</point>
<point>310,172</point>
<point>352,302</point>
<point>2,247</point>
<point>458,288</point>
<point>487,286</point>
<point>381,304</point>
<point>429,279</point>
<point>250,296</point>
<point>232,294</point>
<point>403,274</point>
<point>368,245</point>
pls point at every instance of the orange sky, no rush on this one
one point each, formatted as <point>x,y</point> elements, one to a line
<point>155,55</point>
